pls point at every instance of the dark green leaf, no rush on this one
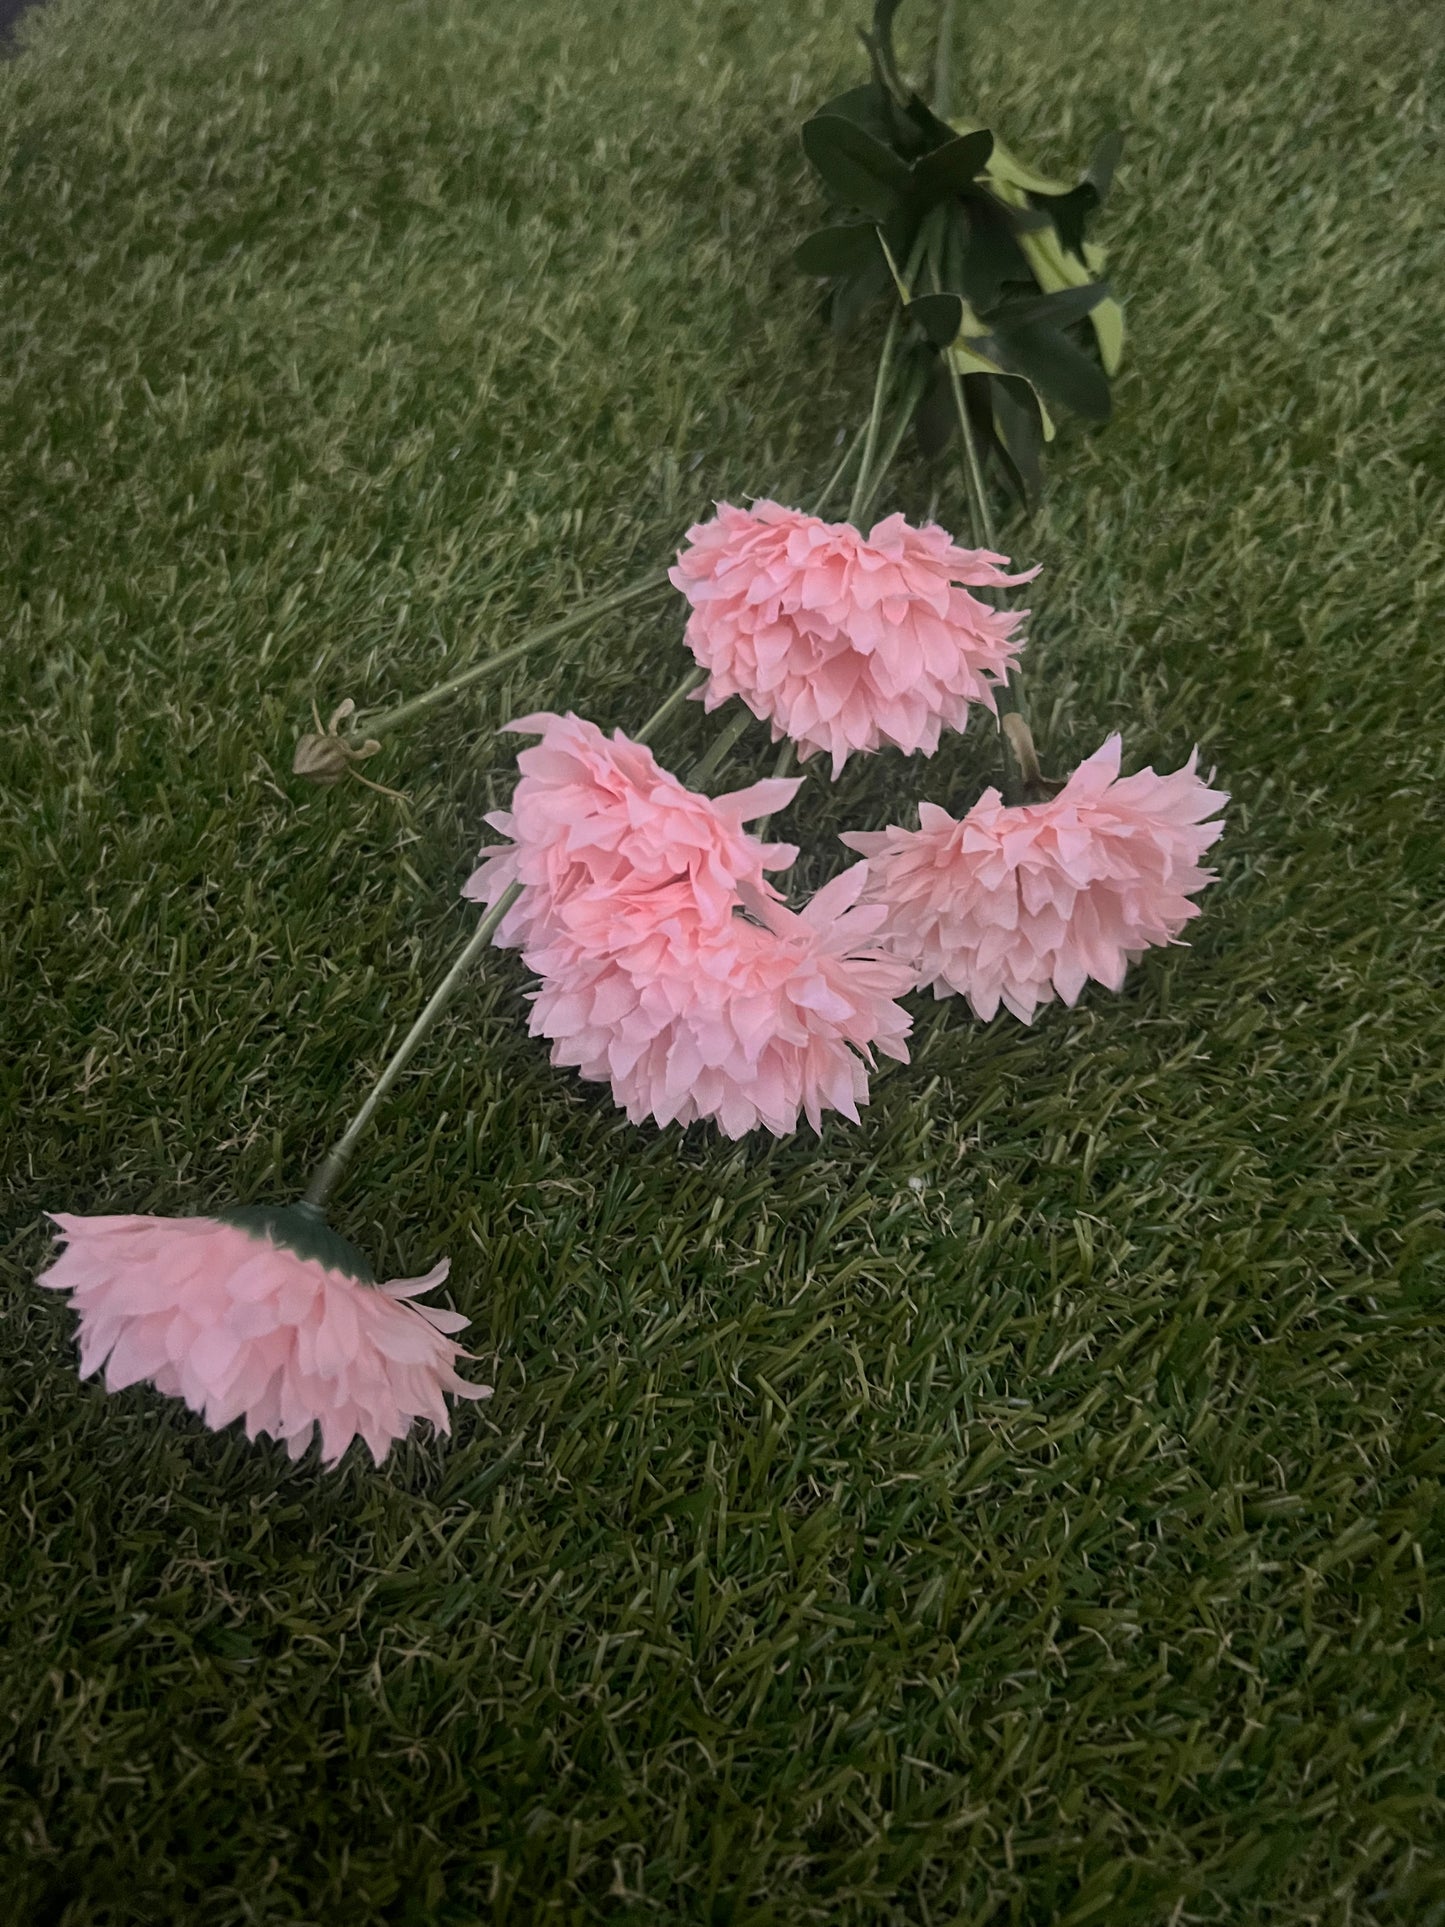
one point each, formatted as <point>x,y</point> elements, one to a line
<point>939,315</point>
<point>859,292</point>
<point>980,258</point>
<point>837,250</point>
<point>1070,213</point>
<point>934,420</point>
<point>1020,432</point>
<point>858,170</point>
<point>1056,367</point>
<point>1057,310</point>
<point>1103,161</point>
<point>930,131</point>
<point>952,168</point>
<point>867,107</point>
<point>900,231</point>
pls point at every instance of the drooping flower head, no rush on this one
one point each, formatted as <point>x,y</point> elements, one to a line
<point>670,968</point>
<point>231,1317</point>
<point>595,821</point>
<point>1015,905</point>
<point>746,1022</point>
<point>842,641</point>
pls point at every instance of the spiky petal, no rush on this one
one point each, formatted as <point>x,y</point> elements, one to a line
<point>1017,905</point>
<point>240,1326</point>
<point>844,642</point>
<point>748,1022</point>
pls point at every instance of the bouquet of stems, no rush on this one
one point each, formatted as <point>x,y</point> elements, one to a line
<point>669,963</point>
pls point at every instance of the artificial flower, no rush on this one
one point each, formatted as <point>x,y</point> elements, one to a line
<point>1017,905</point>
<point>596,821</point>
<point>231,1317</point>
<point>747,1022</point>
<point>844,642</point>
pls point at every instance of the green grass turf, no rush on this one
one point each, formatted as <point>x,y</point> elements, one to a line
<point>1024,1508</point>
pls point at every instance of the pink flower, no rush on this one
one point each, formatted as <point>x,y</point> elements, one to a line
<point>745,1022</point>
<point>236,1321</point>
<point>595,820</point>
<point>1013,905</point>
<point>844,642</point>
<point>670,967</point>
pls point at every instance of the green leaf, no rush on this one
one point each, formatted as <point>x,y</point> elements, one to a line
<point>858,170</point>
<point>939,315</point>
<point>300,1228</point>
<point>1103,161</point>
<point>1108,322</point>
<point>1057,367</point>
<point>1058,310</point>
<point>953,168</point>
<point>1069,213</point>
<point>837,250</point>
<point>934,420</point>
<point>1010,170</point>
<point>867,107</point>
<point>859,292</point>
<point>1020,432</point>
<point>930,130</point>
<point>980,256</point>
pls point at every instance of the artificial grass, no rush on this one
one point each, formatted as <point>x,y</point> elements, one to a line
<point>1023,1508</point>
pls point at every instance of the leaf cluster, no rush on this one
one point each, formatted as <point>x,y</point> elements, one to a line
<point>988,257</point>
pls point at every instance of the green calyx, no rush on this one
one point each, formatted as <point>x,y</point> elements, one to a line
<point>301,1228</point>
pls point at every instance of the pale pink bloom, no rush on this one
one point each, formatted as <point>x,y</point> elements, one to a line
<point>596,820</point>
<point>1013,905</point>
<point>746,1022</point>
<point>842,641</point>
<point>238,1324</point>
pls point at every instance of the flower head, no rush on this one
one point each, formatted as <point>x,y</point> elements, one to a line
<point>1015,905</point>
<point>670,967</point>
<point>596,826</point>
<point>843,641</point>
<point>235,1320</point>
<point>746,1022</point>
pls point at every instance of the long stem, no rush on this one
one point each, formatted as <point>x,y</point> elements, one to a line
<point>943,61</point>
<point>1020,759</point>
<point>694,679</point>
<point>329,1171</point>
<point>825,494</point>
<point>973,472</point>
<point>910,401</point>
<point>720,746</point>
<point>787,756</point>
<point>875,416</point>
<point>550,632</point>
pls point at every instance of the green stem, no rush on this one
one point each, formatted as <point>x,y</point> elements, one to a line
<point>694,679</point>
<point>1021,774</point>
<point>943,61</point>
<point>826,493</point>
<point>973,472</point>
<point>704,768</point>
<point>550,632</point>
<point>331,1167</point>
<point>875,416</point>
<point>783,767</point>
<point>911,397</point>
